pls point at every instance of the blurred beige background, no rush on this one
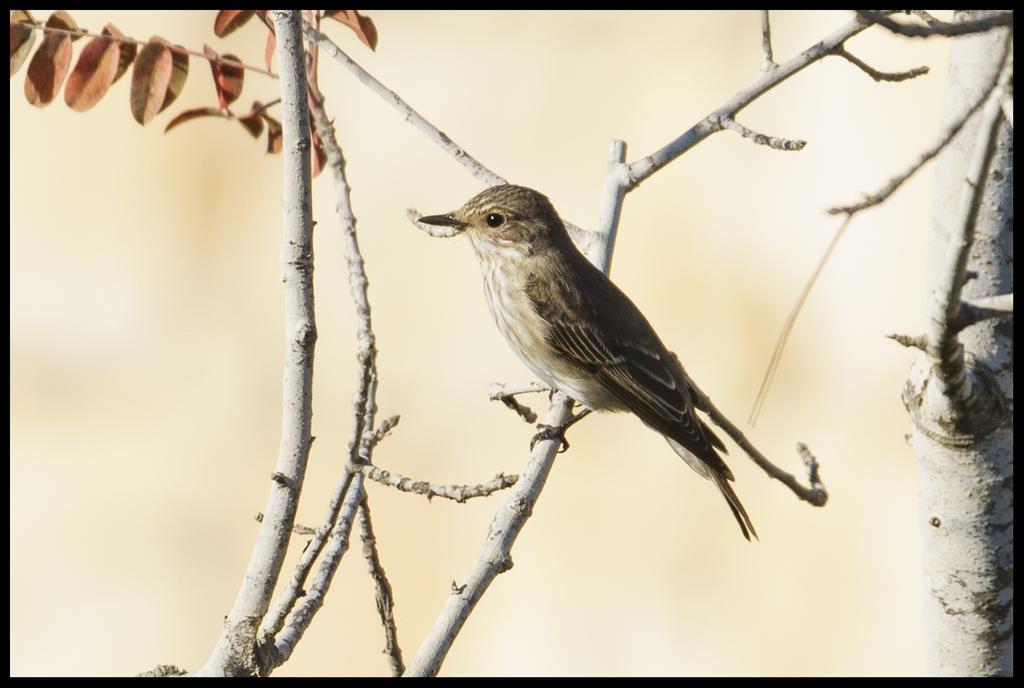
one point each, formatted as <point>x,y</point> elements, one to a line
<point>146,349</point>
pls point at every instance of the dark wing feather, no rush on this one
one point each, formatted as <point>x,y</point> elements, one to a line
<point>638,375</point>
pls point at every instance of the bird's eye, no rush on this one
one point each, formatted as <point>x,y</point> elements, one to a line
<point>495,220</point>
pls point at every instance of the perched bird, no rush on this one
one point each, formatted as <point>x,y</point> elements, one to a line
<point>577,331</point>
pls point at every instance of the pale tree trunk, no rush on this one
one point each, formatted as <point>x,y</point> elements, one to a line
<point>961,401</point>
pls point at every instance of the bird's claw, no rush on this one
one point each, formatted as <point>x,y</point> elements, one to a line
<point>548,432</point>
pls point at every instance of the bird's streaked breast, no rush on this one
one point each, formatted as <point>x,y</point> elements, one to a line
<point>525,331</point>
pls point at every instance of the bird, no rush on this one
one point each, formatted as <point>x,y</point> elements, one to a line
<point>578,332</point>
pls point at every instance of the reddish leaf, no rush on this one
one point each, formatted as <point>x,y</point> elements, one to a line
<point>253,124</point>
<point>127,48</point>
<point>363,26</point>
<point>275,140</point>
<point>319,157</point>
<point>150,79</point>
<point>93,75</point>
<point>179,72</point>
<point>268,51</point>
<point>227,78</point>
<point>195,114</point>
<point>50,64</point>
<point>229,20</point>
<point>22,38</point>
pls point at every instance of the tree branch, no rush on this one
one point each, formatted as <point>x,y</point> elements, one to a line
<point>815,495</point>
<point>766,43</point>
<point>384,596</point>
<point>875,74</point>
<point>939,28</point>
<point>937,147</point>
<point>760,139</point>
<point>348,494</point>
<point>458,493</point>
<point>233,653</point>
<point>764,82</point>
<point>944,348</point>
<point>582,237</point>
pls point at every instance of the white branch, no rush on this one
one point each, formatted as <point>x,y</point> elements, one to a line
<point>764,82</point>
<point>946,352</point>
<point>233,653</point>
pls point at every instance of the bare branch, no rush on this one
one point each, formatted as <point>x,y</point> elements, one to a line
<point>437,231</point>
<point>524,412</point>
<point>497,390</point>
<point>939,28</point>
<point>911,342</point>
<point>373,438</point>
<point>280,649</point>
<point>233,652</point>
<point>787,327</point>
<point>297,529</point>
<point>877,75</point>
<point>944,349</point>
<point>975,310</point>
<point>384,595</point>
<point>458,493</point>
<point>896,182</point>
<point>475,167</point>
<point>811,466</point>
<point>766,43</point>
<point>775,142</point>
<point>643,168</point>
<point>495,555</point>
<point>926,17</point>
<point>505,393</point>
<point>815,495</point>
<point>276,640</point>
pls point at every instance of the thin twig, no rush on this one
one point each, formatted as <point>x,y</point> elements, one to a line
<point>581,236</point>
<point>815,495</point>
<point>312,601</point>
<point>297,529</point>
<point>384,595</point>
<point>973,311</point>
<point>766,43</point>
<point>497,390</point>
<point>939,28</point>
<point>643,168</point>
<point>506,394</point>
<point>494,557</point>
<point>776,142</point>
<point>787,326</point>
<point>937,147</point>
<point>458,493</point>
<point>877,75</point>
<point>910,341</point>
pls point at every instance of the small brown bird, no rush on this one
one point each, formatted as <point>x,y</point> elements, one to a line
<point>577,331</point>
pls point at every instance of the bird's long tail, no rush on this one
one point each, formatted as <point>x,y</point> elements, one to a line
<point>721,480</point>
<point>734,503</point>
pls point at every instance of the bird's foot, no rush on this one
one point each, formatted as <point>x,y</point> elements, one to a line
<point>550,432</point>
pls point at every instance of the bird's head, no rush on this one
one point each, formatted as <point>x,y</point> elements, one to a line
<point>505,217</point>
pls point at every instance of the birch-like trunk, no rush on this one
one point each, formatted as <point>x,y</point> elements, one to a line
<point>965,451</point>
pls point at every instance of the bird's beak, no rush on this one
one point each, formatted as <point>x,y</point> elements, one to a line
<point>444,221</point>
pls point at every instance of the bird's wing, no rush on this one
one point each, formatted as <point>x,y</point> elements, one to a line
<point>640,374</point>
